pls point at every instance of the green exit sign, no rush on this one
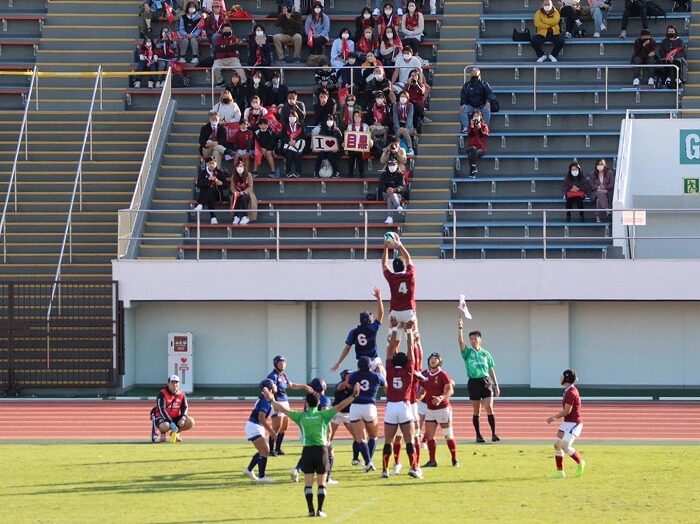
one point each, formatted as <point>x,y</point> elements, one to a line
<point>691,186</point>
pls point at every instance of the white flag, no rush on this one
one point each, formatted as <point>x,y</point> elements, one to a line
<point>463,307</point>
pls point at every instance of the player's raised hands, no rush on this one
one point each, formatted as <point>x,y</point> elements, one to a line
<point>460,324</point>
<point>377,293</point>
<point>393,322</point>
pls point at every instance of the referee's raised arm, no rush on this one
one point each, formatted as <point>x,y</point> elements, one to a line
<point>460,334</point>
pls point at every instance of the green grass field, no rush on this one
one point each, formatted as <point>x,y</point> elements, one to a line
<point>202,482</point>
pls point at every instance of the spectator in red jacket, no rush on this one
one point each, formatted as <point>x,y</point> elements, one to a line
<point>477,132</point>
<point>170,413</point>
<point>148,61</point>
<point>166,49</point>
<point>242,143</point>
<point>226,55</point>
<point>217,21</point>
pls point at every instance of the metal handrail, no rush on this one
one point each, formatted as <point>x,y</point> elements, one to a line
<point>607,67</point>
<point>126,229</point>
<point>450,238</point>
<point>12,185</point>
<point>77,189</point>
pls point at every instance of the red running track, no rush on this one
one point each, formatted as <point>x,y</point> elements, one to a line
<point>129,420</point>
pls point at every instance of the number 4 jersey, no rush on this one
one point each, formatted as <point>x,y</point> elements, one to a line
<point>399,381</point>
<point>403,288</point>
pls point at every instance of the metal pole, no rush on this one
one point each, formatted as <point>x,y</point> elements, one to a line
<point>37,91</point>
<point>212,86</point>
<point>70,237</point>
<point>99,73</point>
<point>366,233</point>
<point>352,87</point>
<point>544,233</point>
<point>198,231</point>
<point>534,88</point>
<point>80,186</point>
<point>26,137</point>
<point>277,235</point>
<point>454,234</point>
<point>606,87</point>
<point>90,124</point>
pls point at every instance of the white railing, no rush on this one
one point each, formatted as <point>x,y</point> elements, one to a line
<point>125,229</point>
<point>77,190</point>
<point>12,184</point>
<point>598,68</point>
<point>366,230</point>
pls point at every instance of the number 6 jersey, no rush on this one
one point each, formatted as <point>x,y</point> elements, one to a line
<point>399,381</point>
<point>364,338</point>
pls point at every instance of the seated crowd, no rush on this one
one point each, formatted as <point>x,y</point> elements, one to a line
<point>370,86</point>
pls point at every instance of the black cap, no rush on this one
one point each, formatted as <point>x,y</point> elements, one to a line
<point>646,32</point>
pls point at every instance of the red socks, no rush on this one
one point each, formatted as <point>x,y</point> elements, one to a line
<point>560,462</point>
<point>431,448</point>
<point>452,446</point>
<point>576,457</point>
<point>397,451</point>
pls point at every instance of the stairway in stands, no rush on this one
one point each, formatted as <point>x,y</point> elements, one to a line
<point>530,148</point>
<point>77,36</point>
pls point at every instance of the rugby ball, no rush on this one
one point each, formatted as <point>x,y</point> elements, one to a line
<point>391,239</point>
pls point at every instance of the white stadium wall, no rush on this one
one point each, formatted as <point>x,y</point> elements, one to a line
<point>619,323</point>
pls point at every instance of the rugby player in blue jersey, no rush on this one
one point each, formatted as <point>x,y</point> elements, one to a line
<point>255,429</point>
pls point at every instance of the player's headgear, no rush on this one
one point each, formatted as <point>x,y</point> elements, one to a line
<point>311,400</point>
<point>173,378</point>
<point>267,383</point>
<point>363,363</point>
<point>344,374</point>
<point>278,359</point>
<point>318,385</point>
<point>569,376</point>
<point>364,318</point>
<point>398,265</point>
<point>437,356</point>
<point>400,359</point>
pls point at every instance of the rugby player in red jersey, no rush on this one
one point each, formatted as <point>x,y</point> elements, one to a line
<point>402,283</point>
<point>570,429</point>
<point>438,388</point>
<point>170,413</point>
<point>398,413</point>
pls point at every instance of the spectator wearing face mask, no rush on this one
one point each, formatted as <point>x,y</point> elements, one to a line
<point>390,47</point>
<point>379,119</point>
<point>289,22</point>
<point>227,108</point>
<point>293,144</point>
<point>600,10</point>
<point>672,52</point>
<point>166,50</point>
<point>418,91</point>
<point>212,137</point>
<point>475,94</point>
<point>317,27</point>
<point>547,29</point>
<point>476,145</point>
<point>293,104</point>
<point>259,50</point>
<point>190,33</point>
<point>378,82</point>
<point>226,55</point>
<point>148,61</point>
<point>266,140</point>
<point>216,21</point>
<point>277,91</point>
<point>357,158</point>
<point>341,49</point>
<point>394,151</point>
<point>150,10</point>
<point>387,18</point>
<point>329,128</point>
<point>364,21</point>
<point>412,26</point>
<point>403,120</point>
<point>403,64</point>
<point>238,90</point>
<point>325,109</point>
<point>367,42</point>
<point>644,53</point>
<point>242,144</point>
<point>210,181</point>
<point>602,182</point>
<point>392,187</point>
<point>350,108</point>
<point>241,193</point>
<point>255,112</point>
<point>576,188</point>
<point>256,87</point>
<point>325,77</point>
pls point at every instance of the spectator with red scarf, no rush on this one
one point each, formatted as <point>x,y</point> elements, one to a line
<point>387,18</point>
<point>412,26</point>
<point>364,21</point>
<point>367,43</point>
<point>211,182</point>
<point>357,158</point>
<point>476,146</point>
<point>294,143</point>
<point>255,112</point>
<point>166,49</point>
<point>217,21</point>
<point>226,55</point>
<point>259,49</point>
<point>390,47</point>
<point>148,61</point>
<point>170,413</point>
<point>241,193</point>
<point>317,26</point>
<point>342,48</point>
<point>403,120</point>
<point>379,119</point>
<point>242,143</point>
<point>418,91</point>
<point>349,109</point>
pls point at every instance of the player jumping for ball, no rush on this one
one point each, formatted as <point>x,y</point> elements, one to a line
<point>570,429</point>
<point>402,283</point>
<point>364,337</point>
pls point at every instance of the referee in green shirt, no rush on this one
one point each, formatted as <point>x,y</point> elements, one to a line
<point>483,384</point>
<point>314,425</point>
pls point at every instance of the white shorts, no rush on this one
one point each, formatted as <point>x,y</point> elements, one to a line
<point>253,430</point>
<point>398,413</point>
<point>341,418</point>
<point>364,412</point>
<point>403,316</point>
<point>441,416</point>
<point>422,408</point>
<point>571,431</point>
<point>284,403</point>
<point>414,411</point>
